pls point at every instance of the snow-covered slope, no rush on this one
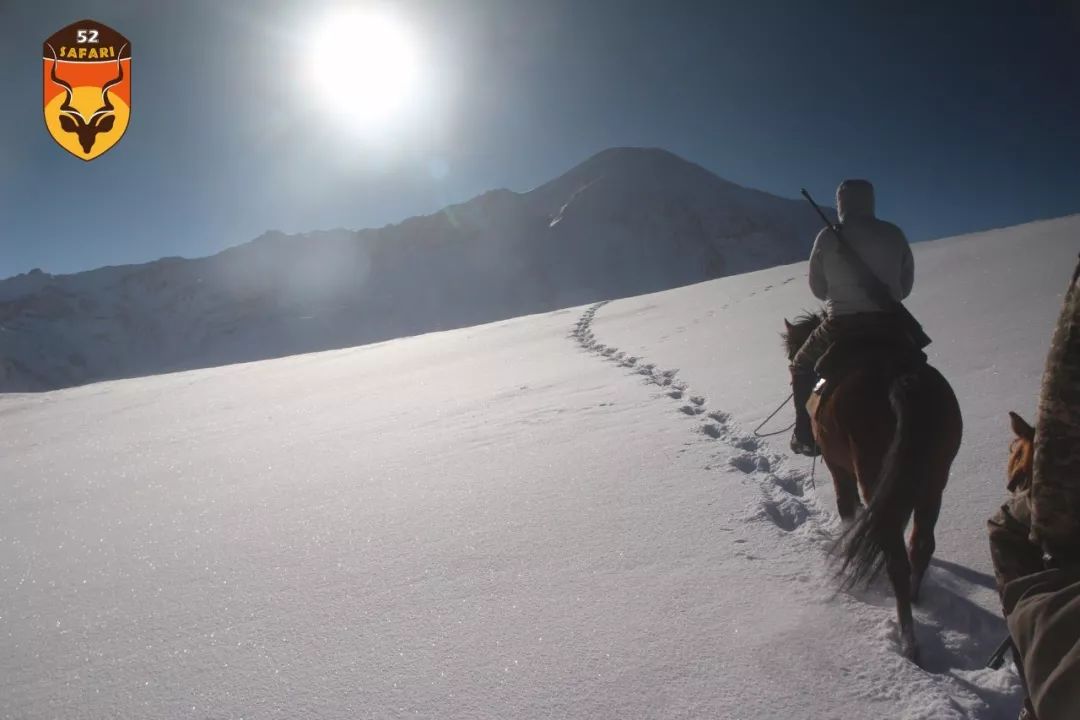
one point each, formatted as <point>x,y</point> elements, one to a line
<point>563,515</point>
<point>626,221</point>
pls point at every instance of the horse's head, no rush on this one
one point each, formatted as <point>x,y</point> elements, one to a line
<point>795,334</point>
<point>1021,454</point>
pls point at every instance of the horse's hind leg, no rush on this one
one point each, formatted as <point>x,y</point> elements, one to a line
<point>921,547</point>
<point>899,569</point>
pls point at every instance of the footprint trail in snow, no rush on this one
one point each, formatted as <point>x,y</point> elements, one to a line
<point>784,502</point>
<point>972,691</point>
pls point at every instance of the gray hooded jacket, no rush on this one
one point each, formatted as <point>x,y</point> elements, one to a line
<point>880,244</point>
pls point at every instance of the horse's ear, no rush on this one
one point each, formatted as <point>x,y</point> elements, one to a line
<point>788,325</point>
<point>1021,428</point>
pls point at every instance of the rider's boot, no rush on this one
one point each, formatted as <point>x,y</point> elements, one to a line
<point>802,438</point>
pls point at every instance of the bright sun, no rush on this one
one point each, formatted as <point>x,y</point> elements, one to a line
<point>364,66</point>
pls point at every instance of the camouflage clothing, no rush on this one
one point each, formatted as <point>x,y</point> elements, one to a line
<point>1042,606</point>
<point>1055,487</point>
<point>1042,609</point>
<point>1043,612</point>
<point>1011,551</point>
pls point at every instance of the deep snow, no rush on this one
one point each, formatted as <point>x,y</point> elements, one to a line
<point>561,515</point>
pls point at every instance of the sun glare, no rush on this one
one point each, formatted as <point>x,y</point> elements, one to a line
<point>364,67</point>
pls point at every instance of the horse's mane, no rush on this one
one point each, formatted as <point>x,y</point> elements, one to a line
<point>799,330</point>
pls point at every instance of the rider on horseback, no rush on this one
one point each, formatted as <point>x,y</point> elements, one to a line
<point>851,308</point>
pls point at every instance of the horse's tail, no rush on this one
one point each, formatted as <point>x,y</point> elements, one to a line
<point>894,493</point>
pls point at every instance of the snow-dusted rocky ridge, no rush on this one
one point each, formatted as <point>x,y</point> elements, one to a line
<point>557,516</point>
<point>625,222</point>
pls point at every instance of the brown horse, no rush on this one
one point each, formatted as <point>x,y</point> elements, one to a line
<point>1011,549</point>
<point>891,432</point>
<point>1021,454</point>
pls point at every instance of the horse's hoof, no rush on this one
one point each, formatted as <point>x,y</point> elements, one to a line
<point>910,650</point>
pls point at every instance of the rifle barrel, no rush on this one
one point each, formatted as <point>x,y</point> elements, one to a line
<point>997,659</point>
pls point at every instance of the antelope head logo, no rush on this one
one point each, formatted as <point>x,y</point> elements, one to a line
<point>102,120</point>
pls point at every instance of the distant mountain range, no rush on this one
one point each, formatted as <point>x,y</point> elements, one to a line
<point>625,222</point>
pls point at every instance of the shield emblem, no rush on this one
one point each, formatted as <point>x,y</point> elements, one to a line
<point>86,81</point>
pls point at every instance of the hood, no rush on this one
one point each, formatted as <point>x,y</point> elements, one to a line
<point>855,198</point>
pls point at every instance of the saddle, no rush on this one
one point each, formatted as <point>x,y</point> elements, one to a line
<point>880,353</point>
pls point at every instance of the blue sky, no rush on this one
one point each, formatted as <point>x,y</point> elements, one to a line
<point>966,117</point>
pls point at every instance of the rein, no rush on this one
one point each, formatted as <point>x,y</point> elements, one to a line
<point>763,422</point>
<point>813,466</point>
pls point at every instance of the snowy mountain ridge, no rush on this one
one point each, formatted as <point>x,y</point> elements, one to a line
<point>625,222</point>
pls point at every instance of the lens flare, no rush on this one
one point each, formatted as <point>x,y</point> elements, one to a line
<point>364,67</point>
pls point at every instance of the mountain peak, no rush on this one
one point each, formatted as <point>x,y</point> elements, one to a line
<point>640,170</point>
<point>626,221</point>
<point>636,160</point>
<point>631,154</point>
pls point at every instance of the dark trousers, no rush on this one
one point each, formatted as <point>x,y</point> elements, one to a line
<point>872,325</point>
